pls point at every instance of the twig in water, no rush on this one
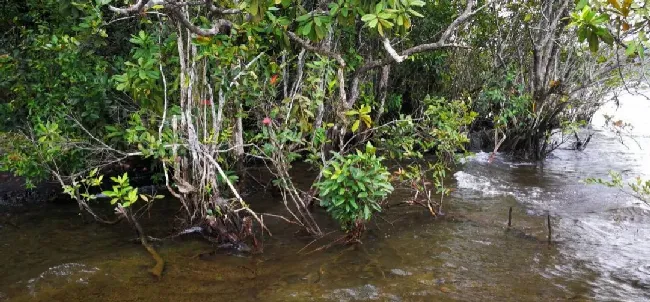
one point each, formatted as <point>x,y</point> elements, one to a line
<point>548,223</point>
<point>306,246</point>
<point>510,217</point>
<point>324,247</point>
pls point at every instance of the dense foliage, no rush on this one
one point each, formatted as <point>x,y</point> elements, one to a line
<point>353,187</point>
<point>205,89</point>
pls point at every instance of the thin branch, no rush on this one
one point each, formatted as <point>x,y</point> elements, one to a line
<point>217,27</point>
<point>131,9</point>
<point>319,50</point>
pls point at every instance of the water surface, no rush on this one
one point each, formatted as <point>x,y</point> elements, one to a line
<point>600,250</point>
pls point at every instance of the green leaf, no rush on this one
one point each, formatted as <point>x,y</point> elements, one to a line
<point>581,4</point>
<point>384,15</point>
<point>366,212</point>
<point>379,7</point>
<point>415,13</point>
<point>307,28</point>
<point>320,32</point>
<point>303,18</point>
<point>607,37</point>
<point>133,195</point>
<point>417,3</point>
<point>368,17</point>
<point>355,126</point>
<point>334,8</point>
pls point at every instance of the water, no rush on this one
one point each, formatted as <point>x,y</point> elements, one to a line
<point>600,248</point>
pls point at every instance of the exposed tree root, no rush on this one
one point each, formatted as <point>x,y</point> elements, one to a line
<point>156,271</point>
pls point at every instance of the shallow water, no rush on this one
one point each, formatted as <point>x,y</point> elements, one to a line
<point>600,247</point>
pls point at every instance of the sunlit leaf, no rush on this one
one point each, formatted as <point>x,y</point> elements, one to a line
<point>355,126</point>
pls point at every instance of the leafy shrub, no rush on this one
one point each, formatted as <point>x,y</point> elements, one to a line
<point>440,127</point>
<point>353,186</point>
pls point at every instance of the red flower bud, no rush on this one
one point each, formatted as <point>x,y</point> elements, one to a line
<point>266,121</point>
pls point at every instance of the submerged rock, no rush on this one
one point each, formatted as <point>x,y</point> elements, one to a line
<point>366,292</point>
<point>60,275</point>
<point>400,272</point>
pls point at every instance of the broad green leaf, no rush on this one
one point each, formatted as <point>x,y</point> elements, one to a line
<point>384,15</point>
<point>320,33</point>
<point>307,28</point>
<point>368,17</point>
<point>385,23</point>
<point>607,38</point>
<point>355,126</point>
<point>373,23</point>
<point>303,18</point>
<point>354,204</point>
<point>593,42</point>
<point>415,13</point>
<point>417,3</point>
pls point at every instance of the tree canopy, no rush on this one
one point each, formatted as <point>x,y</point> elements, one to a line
<point>205,89</point>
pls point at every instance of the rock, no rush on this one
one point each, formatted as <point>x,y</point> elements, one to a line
<point>400,272</point>
<point>60,275</point>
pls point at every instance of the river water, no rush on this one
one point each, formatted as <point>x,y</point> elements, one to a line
<point>600,246</point>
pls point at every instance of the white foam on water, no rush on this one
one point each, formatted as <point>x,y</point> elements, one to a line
<point>480,157</point>
<point>480,183</point>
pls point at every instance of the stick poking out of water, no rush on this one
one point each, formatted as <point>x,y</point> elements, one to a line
<point>510,217</point>
<point>548,223</point>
